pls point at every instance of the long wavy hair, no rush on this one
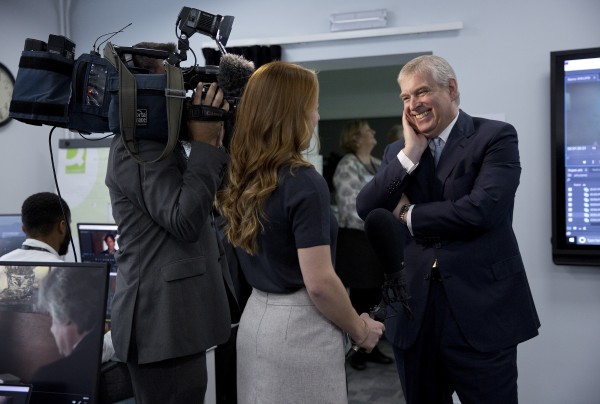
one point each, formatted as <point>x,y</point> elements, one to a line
<point>273,126</point>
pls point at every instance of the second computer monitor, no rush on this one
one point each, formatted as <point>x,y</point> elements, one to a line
<point>11,233</point>
<point>98,242</point>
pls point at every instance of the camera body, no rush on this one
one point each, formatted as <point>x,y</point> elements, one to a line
<point>92,94</point>
<point>199,74</point>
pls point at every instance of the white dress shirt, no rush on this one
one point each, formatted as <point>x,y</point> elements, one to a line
<point>41,252</point>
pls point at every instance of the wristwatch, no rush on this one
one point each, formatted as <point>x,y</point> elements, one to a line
<point>403,212</point>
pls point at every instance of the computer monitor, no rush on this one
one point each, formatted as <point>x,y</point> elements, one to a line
<point>575,134</point>
<point>94,239</point>
<point>11,234</point>
<point>51,328</point>
<point>15,393</point>
<point>98,242</point>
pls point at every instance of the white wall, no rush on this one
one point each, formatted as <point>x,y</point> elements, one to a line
<point>502,60</point>
<point>24,151</point>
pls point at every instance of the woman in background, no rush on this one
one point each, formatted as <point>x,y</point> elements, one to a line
<point>290,345</point>
<point>356,263</point>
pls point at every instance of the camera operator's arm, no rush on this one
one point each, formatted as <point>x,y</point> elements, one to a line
<point>207,131</point>
<point>177,193</point>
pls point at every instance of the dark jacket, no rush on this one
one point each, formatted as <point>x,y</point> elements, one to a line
<point>170,296</point>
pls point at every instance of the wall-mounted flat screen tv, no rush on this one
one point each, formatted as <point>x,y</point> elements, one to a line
<point>575,130</point>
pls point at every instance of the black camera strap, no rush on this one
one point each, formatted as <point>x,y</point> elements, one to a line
<point>206,113</point>
<point>175,97</point>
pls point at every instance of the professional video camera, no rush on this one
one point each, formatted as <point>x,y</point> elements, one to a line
<point>233,70</point>
<point>231,75</point>
<point>95,94</point>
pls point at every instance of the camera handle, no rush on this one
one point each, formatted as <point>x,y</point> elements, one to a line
<point>175,97</point>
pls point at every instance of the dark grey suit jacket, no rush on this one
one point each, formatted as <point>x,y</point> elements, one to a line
<point>463,218</point>
<point>170,295</point>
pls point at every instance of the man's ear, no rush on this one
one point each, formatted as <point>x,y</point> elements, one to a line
<point>62,227</point>
<point>453,88</point>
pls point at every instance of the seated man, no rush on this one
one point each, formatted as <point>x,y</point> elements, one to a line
<point>48,237</point>
<point>70,296</point>
<point>46,219</point>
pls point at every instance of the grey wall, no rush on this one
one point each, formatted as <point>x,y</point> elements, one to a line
<point>502,60</point>
<point>24,150</point>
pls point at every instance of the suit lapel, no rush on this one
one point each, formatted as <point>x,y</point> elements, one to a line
<point>454,150</point>
<point>431,179</point>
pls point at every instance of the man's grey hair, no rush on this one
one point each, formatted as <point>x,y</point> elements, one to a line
<point>439,68</point>
<point>72,294</point>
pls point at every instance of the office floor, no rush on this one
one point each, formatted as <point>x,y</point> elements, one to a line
<point>377,384</point>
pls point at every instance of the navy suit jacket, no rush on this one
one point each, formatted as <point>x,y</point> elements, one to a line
<point>463,218</point>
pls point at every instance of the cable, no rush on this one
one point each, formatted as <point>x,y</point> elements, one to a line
<point>111,35</point>
<point>94,139</point>
<point>58,192</point>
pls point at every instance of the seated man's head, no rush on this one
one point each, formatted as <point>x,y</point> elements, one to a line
<point>70,296</point>
<point>43,215</point>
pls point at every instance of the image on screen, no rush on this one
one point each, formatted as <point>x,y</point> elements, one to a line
<point>575,127</point>
<point>15,393</point>
<point>582,151</point>
<point>98,243</point>
<point>51,328</point>
<point>11,234</point>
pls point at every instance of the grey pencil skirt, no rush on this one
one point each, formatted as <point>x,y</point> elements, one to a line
<point>288,352</point>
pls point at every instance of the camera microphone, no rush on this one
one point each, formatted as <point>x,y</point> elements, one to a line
<point>388,236</point>
<point>234,72</point>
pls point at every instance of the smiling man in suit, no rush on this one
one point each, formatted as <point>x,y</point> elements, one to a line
<point>470,298</point>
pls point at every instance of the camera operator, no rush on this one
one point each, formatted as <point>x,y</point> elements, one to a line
<point>170,303</point>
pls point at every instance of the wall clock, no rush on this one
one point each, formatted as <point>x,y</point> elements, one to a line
<point>7,83</point>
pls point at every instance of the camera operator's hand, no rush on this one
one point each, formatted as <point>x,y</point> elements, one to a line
<point>207,131</point>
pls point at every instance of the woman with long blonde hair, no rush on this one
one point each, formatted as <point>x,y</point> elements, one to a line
<point>290,344</point>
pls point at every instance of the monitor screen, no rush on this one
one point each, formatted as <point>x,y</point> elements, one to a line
<point>11,234</point>
<point>97,243</point>
<point>51,328</point>
<point>575,126</point>
<point>15,393</point>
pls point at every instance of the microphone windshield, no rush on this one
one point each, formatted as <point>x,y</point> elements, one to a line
<point>387,236</point>
<point>234,72</point>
